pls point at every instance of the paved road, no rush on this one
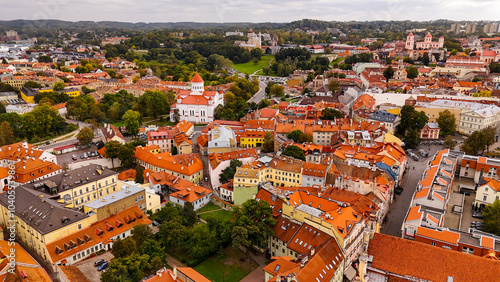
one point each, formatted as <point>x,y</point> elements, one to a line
<point>260,95</point>
<point>401,203</point>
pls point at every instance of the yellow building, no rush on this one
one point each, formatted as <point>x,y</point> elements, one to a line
<point>71,92</point>
<point>38,220</point>
<point>433,113</point>
<point>79,186</point>
<point>28,95</point>
<point>252,139</point>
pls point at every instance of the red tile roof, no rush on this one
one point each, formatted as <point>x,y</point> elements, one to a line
<point>441,235</point>
<point>197,78</point>
<point>422,261</point>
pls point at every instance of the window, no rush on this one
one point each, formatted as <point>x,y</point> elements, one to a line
<point>79,226</point>
<point>433,243</point>
<point>485,197</point>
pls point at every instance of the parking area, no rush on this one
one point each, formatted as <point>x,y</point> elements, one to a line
<point>66,159</point>
<point>87,266</point>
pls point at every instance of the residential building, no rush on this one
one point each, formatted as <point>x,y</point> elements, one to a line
<point>167,139</point>
<point>78,186</point>
<point>197,105</point>
<point>84,243</point>
<point>30,163</point>
<point>429,204</point>
<point>430,131</point>
<point>324,263</point>
<point>252,138</point>
<point>314,175</point>
<point>220,161</point>
<point>70,273</point>
<point>39,220</point>
<point>112,133</point>
<point>477,243</point>
<point>487,193</point>
<point>188,167</point>
<point>390,121</point>
<point>129,196</point>
<point>179,191</point>
<point>178,274</point>
<point>476,168</point>
<point>418,261</point>
<point>226,191</point>
<point>186,127</point>
<point>221,139</point>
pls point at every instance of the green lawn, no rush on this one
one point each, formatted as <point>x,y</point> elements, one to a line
<point>222,214</point>
<point>208,207</point>
<point>118,124</point>
<point>250,67</point>
<point>228,269</point>
<point>336,61</point>
<point>269,74</point>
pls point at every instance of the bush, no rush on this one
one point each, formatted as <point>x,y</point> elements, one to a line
<point>100,252</point>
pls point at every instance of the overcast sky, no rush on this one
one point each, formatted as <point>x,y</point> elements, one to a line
<point>248,11</point>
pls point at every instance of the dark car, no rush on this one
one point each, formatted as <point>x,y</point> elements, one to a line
<point>103,266</point>
<point>99,262</point>
<point>477,215</point>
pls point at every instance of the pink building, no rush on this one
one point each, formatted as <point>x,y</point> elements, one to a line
<point>430,131</point>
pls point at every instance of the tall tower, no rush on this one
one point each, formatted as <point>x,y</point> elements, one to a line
<point>441,42</point>
<point>410,40</point>
<point>197,85</point>
<point>428,38</point>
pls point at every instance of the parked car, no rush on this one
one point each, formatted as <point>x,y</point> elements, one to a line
<point>206,178</point>
<point>477,223</point>
<point>99,262</point>
<point>423,153</point>
<point>398,190</point>
<point>477,214</point>
<point>103,266</point>
<point>81,157</point>
<point>74,157</point>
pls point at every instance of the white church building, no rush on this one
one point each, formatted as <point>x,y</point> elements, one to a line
<point>197,105</point>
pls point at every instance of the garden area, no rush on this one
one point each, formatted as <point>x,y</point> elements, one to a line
<point>250,67</point>
<point>231,265</point>
<point>212,210</point>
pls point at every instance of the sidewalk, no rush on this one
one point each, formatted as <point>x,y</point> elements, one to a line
<point>257,274</point>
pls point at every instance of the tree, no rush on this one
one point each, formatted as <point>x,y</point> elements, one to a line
<point>252,224</point>
<point>411,72</point>
<point>126,155</point>
<point>173,234</point>
<point>411,119</point>
<point>139,174</point>
<point>294,152</point>
<point>331,114</point>
<point>32,84</point>
<point>228,173</point>
<point>112,149</point>
<point>156,103</point>
<point>152,248</point>
<point>412,138</point>
<point>189,214</point>
<point>123,248</point>
<point>141,233</point>
<point>299,137</point>
<point>174,151</point>
<point>6,133</point>
<point>491,215</point>
<point>202,241</point>
<point>425,59</point>
<point>2,108</point>
<point>453,52</point>
<point>333,86</point>
<point>130,268</point>
<point>489,136</point>
<point>475,143</point>
<point>449,143</point>
<point>268,145</point>
<point>131,119</point>
<point>447,123</point>
<point>495,67</point>
<point>85,136</point>
<point>277,90</point>
<point>388,73</point>
<point>59,85</point>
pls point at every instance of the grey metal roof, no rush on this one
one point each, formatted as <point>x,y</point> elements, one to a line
<point>383,116</point>
<point>40,213</point>
<point>114,197</point>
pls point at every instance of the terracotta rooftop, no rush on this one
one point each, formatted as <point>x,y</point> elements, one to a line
<point>412,259</point>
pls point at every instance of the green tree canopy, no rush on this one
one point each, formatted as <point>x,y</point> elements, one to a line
<point>268,145</point>
<point>32,84</point>
<point>228,173</point>
<point>123,248</point>
<point>112,149</point>
<point>411,72</point>
<point>130,268</point>
<point>478,141</point>
<point>294,152</point>
<point>85,136</point>
<point>132,122</point>
<point>411,119</point>
<point>491,215</point>
<point>331,114</point>
<point>59,85</point>
<point>447,122</point>
<point>6,133</point>
<point>388,73</point>
<point>252,224</point>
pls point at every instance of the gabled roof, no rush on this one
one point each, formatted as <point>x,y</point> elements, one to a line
<point>306,239</point>
<point>446,236</point>
<point>96,233</point>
